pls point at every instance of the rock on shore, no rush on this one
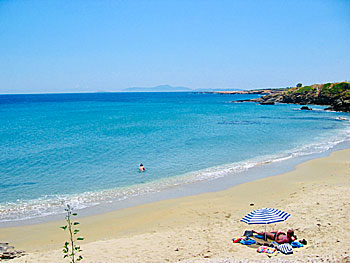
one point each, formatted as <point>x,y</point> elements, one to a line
<point>334,95</point>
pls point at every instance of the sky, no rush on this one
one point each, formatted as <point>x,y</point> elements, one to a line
<point>87,46</point>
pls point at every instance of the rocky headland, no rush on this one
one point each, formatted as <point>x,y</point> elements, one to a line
<point>255,91</point>
<point>334,95</point>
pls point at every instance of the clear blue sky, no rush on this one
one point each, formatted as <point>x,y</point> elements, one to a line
<point>74,46</point>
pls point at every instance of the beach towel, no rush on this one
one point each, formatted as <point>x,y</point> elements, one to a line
<point>285,248</point>
<point>247,241</point>
<point>296,244</point>
<point>265,249</point>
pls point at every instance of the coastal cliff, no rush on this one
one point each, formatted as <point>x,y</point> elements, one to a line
<point>334,95</point>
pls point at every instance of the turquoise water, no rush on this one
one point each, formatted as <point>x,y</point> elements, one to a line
<point>85,149</point>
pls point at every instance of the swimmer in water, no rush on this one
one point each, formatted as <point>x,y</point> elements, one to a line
<point>142,168</point>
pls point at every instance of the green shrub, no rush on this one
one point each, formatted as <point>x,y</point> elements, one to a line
<point>336,88</point>
<point>71,249</point>
<point>327,85</point>
<point>305,89</point>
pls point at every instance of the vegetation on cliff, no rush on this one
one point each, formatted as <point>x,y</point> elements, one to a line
<point>334,95</point>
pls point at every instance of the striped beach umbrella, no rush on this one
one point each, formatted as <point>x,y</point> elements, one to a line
<point>265,216</point>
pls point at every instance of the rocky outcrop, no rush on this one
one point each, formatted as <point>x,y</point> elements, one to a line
<point>305,108</point>
<point>256,92</point>
<point>8,252</point>
<point>334,95</point>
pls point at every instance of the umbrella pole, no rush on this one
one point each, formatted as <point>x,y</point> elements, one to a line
<point>265,233</point>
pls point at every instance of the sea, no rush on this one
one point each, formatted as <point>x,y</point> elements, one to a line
<point>85,149</point>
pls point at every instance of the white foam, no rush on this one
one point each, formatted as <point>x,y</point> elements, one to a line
<point>48,205</point>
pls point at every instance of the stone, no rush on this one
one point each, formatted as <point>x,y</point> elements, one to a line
<point>305,108</point>
<point>268,102</point>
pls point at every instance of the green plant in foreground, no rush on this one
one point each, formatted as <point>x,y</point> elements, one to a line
<point>71,249</point>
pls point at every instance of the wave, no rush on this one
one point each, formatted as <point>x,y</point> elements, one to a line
<point>54,204</point>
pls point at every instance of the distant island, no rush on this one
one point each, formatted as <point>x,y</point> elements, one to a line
<point>334,95</point>
<point>160,88</point>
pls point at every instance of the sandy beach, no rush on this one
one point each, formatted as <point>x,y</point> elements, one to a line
<point>231,107</point>
<point>200,228</point>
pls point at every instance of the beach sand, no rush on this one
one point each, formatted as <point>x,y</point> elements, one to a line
<point>200,228</point>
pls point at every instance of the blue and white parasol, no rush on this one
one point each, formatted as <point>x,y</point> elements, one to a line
<point>265,216</point>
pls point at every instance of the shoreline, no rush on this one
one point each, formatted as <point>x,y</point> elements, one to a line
<point>316,193</point>
<point>257,171</point>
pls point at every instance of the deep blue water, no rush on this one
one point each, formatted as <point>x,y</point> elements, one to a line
<point>86,148</point>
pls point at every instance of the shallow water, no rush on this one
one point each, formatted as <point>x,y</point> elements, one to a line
<point>85,148</point>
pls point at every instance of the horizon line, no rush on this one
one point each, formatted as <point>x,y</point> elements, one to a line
<point>123,91</point>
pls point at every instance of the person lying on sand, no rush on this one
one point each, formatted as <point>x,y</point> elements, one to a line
<point>279,236</point>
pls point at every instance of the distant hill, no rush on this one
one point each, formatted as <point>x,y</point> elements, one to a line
<point>160,88</point>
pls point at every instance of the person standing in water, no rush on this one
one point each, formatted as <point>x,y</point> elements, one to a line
<point>142,168</point>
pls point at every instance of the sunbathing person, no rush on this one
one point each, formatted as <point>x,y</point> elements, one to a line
<point>279,236</point>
